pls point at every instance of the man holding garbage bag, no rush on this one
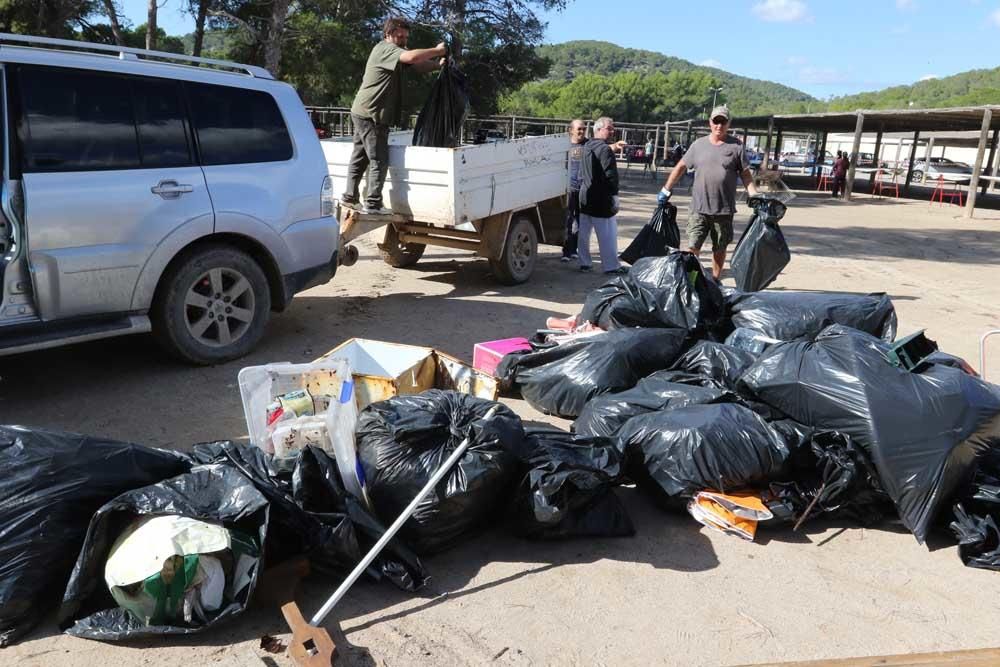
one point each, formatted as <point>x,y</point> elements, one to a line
<point>716,160</point>
<point>378,106</point>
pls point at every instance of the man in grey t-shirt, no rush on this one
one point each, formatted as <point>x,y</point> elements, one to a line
<point>717,160</point>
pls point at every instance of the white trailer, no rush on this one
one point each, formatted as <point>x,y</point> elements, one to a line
<point>498,200</point>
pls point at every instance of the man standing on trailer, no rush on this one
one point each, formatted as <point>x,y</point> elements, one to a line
<point>378,106</point>
<point>717,160</point>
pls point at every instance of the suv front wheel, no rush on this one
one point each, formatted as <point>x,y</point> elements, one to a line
<point>212,306</point>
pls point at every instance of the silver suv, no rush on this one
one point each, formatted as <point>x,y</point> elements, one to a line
<point>149,191</point>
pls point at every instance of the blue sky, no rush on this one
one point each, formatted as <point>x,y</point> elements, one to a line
<point>829,47</point>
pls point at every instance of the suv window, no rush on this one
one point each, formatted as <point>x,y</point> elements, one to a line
<point>77,121</point>
<point>237,126</point>
<point>161,122</point>
<point>86,121</point>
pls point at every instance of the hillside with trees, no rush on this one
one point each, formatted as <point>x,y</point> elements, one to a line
<point>642,86</point>
<point>972,88</point>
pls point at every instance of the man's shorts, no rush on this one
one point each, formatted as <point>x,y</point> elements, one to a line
<point>700,226</point>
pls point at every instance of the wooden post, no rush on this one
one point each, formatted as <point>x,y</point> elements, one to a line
<point>777,147</point>
<point>913,158</point>
<point>820,157</point>
<point>899,149</point>
<point>996,168</point>
<point>858,129</point>
<point>666,142</point>
<point>652,154</point>
<point>989,160</point>
<point>513,126</point>
<point>878,145</point>
<point>970,203</point>
<point>687,141</point>
<point>927,160</point>
<point>767,145</point>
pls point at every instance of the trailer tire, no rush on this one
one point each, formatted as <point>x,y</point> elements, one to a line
<point>397,254</point>
<point>520,251</point>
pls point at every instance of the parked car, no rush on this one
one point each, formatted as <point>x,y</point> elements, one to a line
<point>151,195</point>
<point>941,167</point>
<point>484,136</point>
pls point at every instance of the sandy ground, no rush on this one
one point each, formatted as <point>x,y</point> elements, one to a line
<point>675,594</point>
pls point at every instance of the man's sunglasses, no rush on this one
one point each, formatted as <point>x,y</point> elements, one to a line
<point>720,121</point>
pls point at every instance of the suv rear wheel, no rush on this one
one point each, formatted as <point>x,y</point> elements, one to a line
<point>212,306</point>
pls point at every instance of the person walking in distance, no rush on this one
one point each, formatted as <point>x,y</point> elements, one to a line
<point>717,161</point>
<point>840,167</point>
<point>378,106</point>
<point>599,197</point>
<point>577,138</point>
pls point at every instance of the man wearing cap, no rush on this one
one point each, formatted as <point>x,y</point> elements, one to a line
<point>716,160</point>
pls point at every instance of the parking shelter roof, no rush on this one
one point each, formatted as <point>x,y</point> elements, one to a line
<point>892,120</point>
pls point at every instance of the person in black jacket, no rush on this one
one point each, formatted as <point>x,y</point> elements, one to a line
<point>599,198</point>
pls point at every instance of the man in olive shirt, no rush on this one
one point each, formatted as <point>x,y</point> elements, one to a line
<point>717,161</point>
<point>378,106</point>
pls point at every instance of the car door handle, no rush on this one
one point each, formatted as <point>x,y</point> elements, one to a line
<point>171,189</point>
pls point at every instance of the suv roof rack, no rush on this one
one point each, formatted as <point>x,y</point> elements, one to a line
<point>129,53</point>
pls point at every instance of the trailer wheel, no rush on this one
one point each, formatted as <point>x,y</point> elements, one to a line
<point>520,252</point>
<point>397,254</point>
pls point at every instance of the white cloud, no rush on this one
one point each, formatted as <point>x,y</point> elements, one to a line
<point>782,11</point>
<point>995,18</point>
<point>711,62</point>
<point>819,76</point>
<point>928,77</point>
<point>904,4</point>
<point>796,60</point>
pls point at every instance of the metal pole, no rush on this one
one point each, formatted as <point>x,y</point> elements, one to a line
<point>970,203</point>
<point>899,149</point>
<point>396,525</point>
<point>513,126</point>
<point>858,128</point>
<point>989,160</point>
<point>927,160</point>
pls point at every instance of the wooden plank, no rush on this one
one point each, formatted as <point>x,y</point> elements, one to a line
<point>989,160</point>
<point>913,157</point>
<point>986,657</point>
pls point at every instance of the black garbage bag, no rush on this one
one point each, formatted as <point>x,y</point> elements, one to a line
<point>217,494</point>
<point>924,431</point>
<point>664,390</point>
<point>667,292</point>
<point>401,443</point>
<point>562,379</point>
<point>656,238</point>
<point>676,453</point>
<point>750,341</point>
<point>51,484</point>
<point>439,124</point>
<point>832,476</point>
<point>978,539</point>
<point>717,361</point>
<point>313,515</point>
<point>792,315</point>
<point>761,253</point>
<point>568,489</point>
